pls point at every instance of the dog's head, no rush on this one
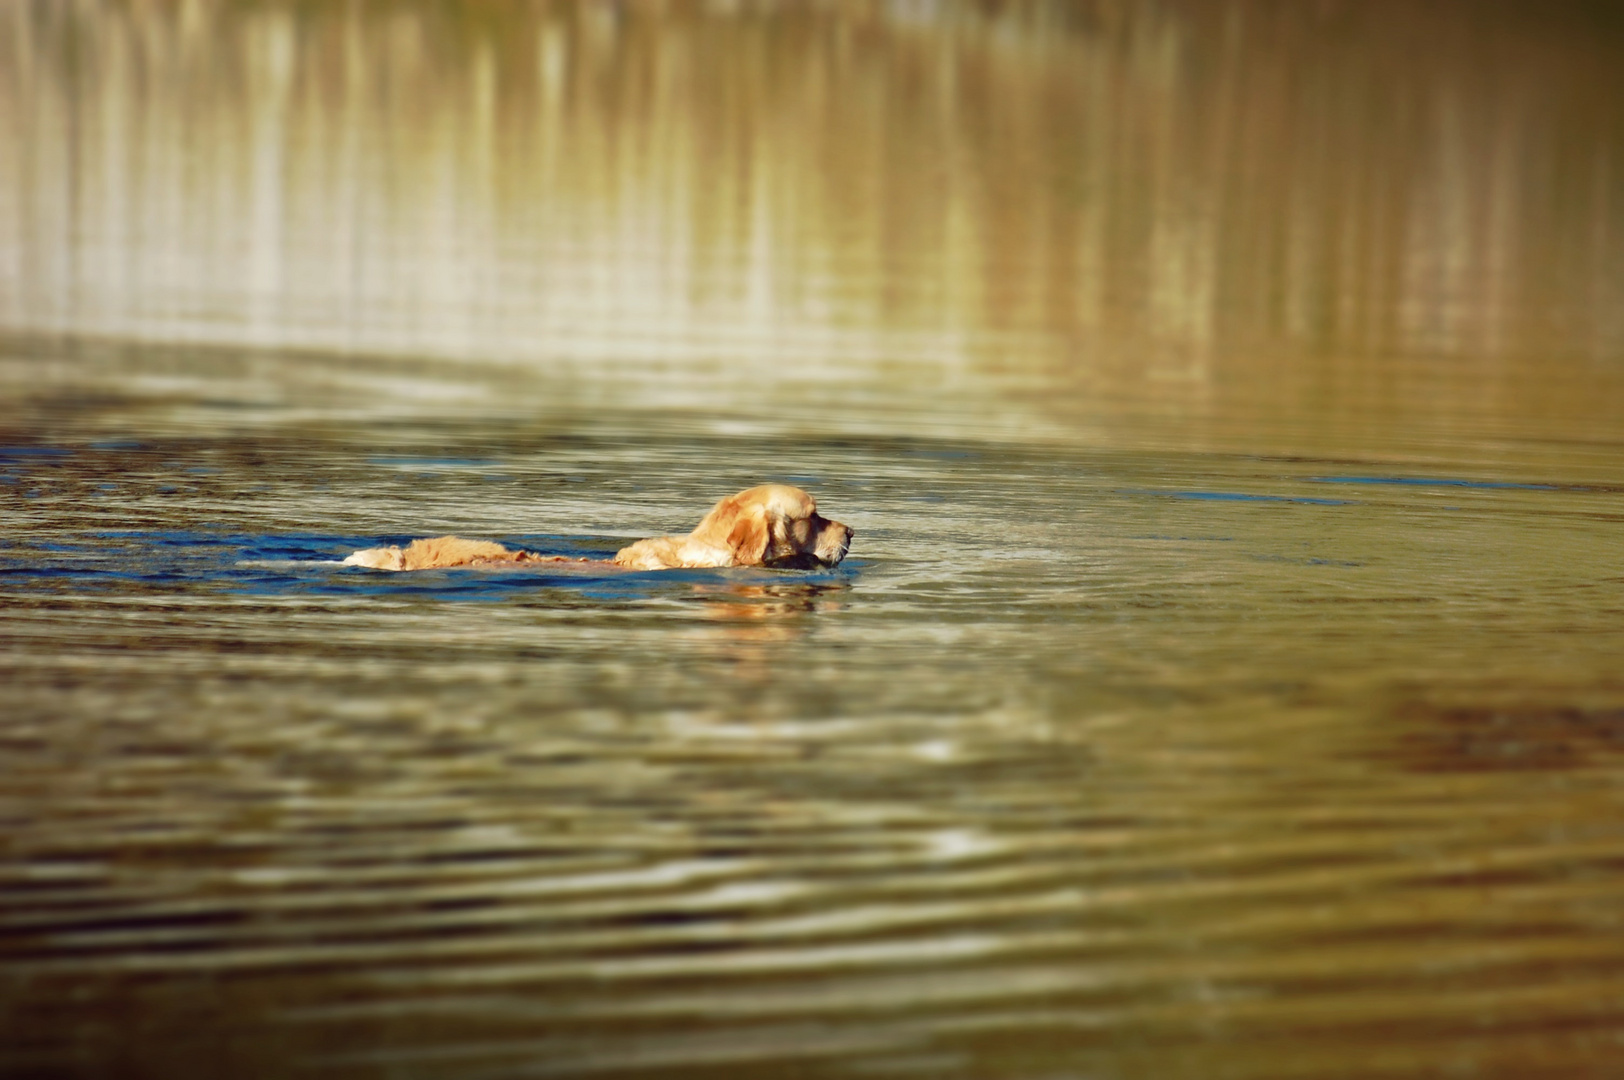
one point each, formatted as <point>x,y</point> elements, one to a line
<point>775,525</point>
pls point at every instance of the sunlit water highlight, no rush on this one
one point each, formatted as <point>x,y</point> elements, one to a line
<point>1225,679</point>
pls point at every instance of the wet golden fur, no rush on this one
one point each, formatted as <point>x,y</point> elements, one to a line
<point>770,525</point>
<point>443,551</point>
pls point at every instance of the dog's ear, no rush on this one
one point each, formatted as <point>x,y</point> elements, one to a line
<point>748,539</point>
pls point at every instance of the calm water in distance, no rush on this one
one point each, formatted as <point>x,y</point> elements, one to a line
<point>1226,680</point>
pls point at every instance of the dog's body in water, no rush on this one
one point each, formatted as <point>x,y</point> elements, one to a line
<point>773,525</point>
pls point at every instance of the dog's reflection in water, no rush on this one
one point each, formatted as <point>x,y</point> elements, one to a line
<point>761,613</point>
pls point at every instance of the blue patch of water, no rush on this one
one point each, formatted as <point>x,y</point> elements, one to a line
<point>1430,481</point>
<point>1236,496</point>
<point>35,452</point>
<point>309,564</point>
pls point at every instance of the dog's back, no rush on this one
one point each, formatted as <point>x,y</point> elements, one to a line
<point>433,552</point>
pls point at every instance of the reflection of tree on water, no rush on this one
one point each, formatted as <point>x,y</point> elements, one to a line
<point>1131,193</point>
<point>1507,736</point>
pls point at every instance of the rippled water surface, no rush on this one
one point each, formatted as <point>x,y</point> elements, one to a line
<point>1225,680</point>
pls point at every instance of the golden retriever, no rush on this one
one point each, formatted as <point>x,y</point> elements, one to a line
<point>772,525</point>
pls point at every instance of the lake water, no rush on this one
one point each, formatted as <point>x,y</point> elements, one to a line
<point>1227,679</point>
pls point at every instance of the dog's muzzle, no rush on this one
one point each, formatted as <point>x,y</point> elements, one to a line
<point>835,550</point>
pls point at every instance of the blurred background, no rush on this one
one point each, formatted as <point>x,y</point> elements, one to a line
<point>1228,396</point>
<point>1258,225</point>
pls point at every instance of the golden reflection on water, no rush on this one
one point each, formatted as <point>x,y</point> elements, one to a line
<point>1188,221</point>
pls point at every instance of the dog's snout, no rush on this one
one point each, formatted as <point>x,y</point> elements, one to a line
<point>834,543</point>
